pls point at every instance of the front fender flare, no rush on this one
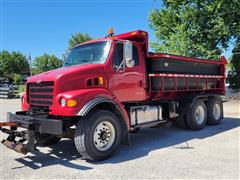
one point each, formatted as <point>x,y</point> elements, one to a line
<point>102,99</point>
<point>92,103</point>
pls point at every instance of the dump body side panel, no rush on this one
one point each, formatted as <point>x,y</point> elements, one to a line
<point>173,76</point>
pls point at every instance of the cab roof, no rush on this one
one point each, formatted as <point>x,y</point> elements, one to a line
<point>137,35</point>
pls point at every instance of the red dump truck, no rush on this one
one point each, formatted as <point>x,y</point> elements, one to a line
<point>110,87</point>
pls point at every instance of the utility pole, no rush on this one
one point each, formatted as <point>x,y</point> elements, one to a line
<point>30,64</point>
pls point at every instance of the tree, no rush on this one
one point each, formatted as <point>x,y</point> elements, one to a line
<point>17,78</point>
<point>78,38</point>
<point>45,63</point>
<point>234,74</point>
<point>20,63</point>
<point>5,57</point>
<point>200,28</point>
<point>13,63</point>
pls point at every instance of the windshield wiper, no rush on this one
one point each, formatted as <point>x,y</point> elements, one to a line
<point>87,62</point>
<point>66,64</point>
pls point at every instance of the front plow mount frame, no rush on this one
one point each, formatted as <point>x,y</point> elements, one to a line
<point>31,125</point>
<point>16,138</point>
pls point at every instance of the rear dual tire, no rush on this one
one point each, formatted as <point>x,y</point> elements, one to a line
<point>196,117</point>
<point>215,111</point>
<point>201,114</point>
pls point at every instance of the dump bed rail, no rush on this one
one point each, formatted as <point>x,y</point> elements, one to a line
<point>161,84</point>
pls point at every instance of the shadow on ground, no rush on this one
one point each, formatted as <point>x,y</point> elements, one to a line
<point>142,143</point>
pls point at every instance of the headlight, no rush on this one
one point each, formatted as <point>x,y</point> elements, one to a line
<point>63,102</point>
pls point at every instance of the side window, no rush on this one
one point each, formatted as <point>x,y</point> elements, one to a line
<point>135,55</point>
<point>117,55</point>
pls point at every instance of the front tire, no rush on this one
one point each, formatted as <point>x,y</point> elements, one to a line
<point>98,135</point>
<point>197,115</point>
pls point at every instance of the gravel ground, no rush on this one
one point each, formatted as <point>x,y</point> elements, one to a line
<point>154,153</point>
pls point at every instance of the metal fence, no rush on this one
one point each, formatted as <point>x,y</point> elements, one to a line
<point>8,91</point>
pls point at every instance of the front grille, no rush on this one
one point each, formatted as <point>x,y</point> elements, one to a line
<point>40,94</point>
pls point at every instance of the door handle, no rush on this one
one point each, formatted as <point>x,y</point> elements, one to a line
<point>140,83</point>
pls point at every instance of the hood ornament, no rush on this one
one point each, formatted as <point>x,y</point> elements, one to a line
<point>39,81</point>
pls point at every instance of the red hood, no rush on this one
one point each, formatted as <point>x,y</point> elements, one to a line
<point>58,73</point>
<point>69,78</point>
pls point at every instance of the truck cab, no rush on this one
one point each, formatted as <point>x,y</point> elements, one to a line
<point>98,65</point>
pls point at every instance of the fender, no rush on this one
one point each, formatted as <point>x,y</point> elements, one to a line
<point>100,99</point>
<point>24,104</point>
<point>124,121</point>
<point>92,103</point>
<point>87,99</point>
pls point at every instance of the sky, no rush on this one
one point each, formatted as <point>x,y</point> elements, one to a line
<point>45,26</point>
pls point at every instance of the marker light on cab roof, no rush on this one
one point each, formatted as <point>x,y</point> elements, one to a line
<point>110,31</point>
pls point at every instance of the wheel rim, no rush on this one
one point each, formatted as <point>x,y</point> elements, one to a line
<point>199,115</point>
<point>216,111</point>
<point>104,136</point>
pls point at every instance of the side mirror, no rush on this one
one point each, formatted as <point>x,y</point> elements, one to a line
<point>127,51</point>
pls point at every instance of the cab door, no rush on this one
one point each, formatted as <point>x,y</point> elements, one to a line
<point>128,84</point>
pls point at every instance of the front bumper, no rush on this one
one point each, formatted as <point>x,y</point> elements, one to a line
<point>41,125</point>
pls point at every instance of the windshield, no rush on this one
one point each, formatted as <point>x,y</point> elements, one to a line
<point>92,53</point>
